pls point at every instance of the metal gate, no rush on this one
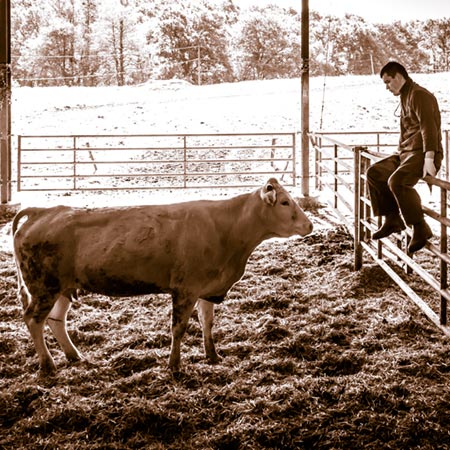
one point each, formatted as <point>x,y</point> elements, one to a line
<point>341,168</point>
<point>170,161</point>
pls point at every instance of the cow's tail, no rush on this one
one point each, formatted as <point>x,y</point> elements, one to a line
<point>28,212</point>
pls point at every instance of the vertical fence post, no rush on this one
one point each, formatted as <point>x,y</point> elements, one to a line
<point>19,162</point>
<point>366,207</point>
<point>446,156</point>
<point>75,163</point>
<point>336,174</point>
<point>443,263</point>
<point>315,144</point>
<point>357,209</point>
<point>184,161</point>
<point>319,161</point>
<point>272,152</point>
<point>294,160</point>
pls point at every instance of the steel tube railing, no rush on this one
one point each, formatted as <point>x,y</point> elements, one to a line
<point>392,249</point>
<point>236,159</point>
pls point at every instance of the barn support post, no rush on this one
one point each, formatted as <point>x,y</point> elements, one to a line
<point>305,96</point>
<point>5,101</point>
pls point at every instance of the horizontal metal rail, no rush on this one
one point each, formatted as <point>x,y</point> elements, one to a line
<point>331,163</point>
<point>380,142</point>
<point>154,161</point>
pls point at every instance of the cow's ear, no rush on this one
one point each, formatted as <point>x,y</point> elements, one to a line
<point>269,194</point>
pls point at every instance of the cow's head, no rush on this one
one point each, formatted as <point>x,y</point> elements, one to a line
<point>283,215</point>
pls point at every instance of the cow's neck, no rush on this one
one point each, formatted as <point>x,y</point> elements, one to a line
<point>249,230</point>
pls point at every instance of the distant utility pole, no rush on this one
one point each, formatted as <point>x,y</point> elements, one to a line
<point>305,97</point>
<point>5,101</point>
<point>199,67</point>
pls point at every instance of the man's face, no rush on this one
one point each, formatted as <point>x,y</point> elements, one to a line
<point>394,84</point>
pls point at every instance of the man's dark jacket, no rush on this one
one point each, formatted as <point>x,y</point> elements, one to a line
<point>420,120</point>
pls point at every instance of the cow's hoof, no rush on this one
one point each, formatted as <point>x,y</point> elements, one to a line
<point>47,378</point>
<point>177,375</point>
<point>214,359</point>
<point>47,368</point>
<point>174,368</point>
<point>73,359</point>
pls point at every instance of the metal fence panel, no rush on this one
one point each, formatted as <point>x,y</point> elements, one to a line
<point>127,162</point>
<point>334,161</point>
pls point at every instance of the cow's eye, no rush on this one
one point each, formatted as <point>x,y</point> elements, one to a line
<point>285,203</point>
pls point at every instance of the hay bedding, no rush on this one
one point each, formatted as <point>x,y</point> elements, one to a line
<point>314,356</point>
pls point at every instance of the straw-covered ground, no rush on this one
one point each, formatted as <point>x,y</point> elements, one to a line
<point>315,356</point>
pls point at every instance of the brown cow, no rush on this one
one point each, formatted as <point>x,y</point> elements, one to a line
<point>194,251</point>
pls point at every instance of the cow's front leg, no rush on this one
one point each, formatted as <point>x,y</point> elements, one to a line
<point>206,316</point>
<point>182,306</point>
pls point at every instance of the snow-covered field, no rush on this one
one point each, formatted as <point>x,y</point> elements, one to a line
<point>350,103</point>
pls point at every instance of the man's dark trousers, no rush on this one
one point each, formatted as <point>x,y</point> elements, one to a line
<point>391,184</point>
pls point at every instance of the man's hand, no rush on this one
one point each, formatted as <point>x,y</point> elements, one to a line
<point>428,166</point>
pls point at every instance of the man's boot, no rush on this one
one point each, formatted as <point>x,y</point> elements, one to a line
<point>421,233</point>
<point>393,224</point>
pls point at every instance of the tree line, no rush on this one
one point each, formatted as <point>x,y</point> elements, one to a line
<point>123,42</point>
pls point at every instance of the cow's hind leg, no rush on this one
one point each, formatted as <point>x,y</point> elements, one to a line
<point>22,292</point>
<point>57,321</point>
<point>182,307</point>
<point>35,315</point>
<point>206,316</point>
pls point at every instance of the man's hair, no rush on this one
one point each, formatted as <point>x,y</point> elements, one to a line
<point>392,68</point>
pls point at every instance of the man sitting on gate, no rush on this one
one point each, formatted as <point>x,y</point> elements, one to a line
<point>391,180</point>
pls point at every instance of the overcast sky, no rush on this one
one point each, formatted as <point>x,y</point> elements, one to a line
<point>372,10</point>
